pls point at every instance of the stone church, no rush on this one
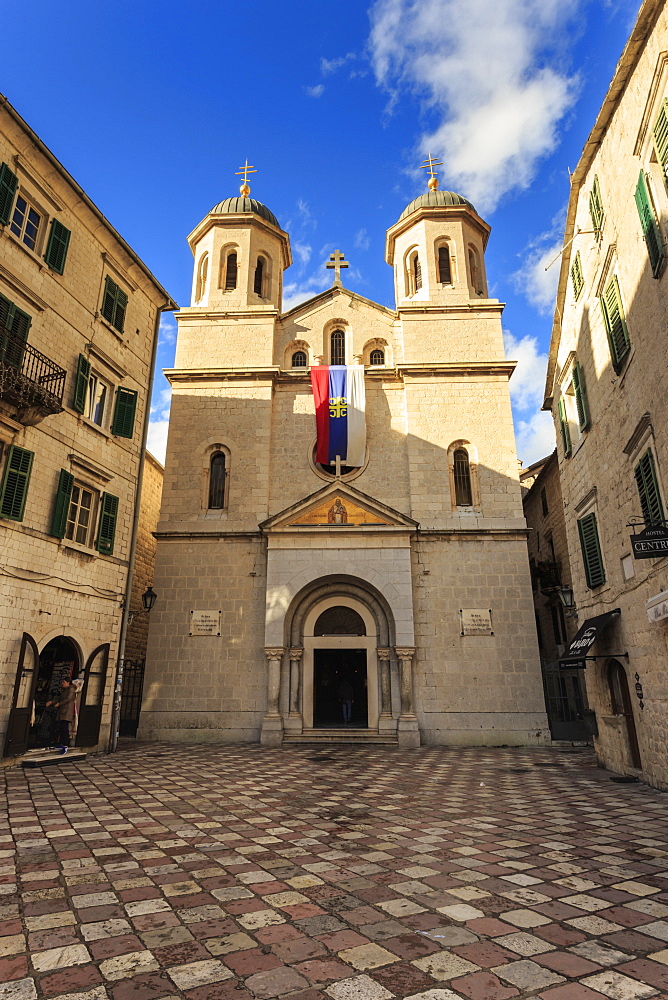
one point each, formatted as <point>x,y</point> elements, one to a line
<point>388,602</point>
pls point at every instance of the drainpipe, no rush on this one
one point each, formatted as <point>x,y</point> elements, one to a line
<point>118,683</point>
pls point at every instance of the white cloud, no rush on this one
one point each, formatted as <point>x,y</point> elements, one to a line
<point>490,73</point>
<point>297,292</point>
<point>538,282</point>
<point>316,91</point>
<point>534,428</point>
<point>328,66</point>
<point>535,437</point>
<point>361,240</point>
<point>167,330</point>
<point>303,251</point>
<point>159,424</point>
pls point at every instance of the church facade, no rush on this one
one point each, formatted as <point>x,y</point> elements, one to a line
<point>390,601</point>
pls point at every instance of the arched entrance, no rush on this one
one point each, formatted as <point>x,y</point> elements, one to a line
<point>38,680</point>
<point>622,706</point>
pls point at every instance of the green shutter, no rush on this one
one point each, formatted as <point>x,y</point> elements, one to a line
<point>615,324</point>
<point>123,424</point>
<point>648,488</point>
<point>15,481</point>
<point>591,551</point>
<point>16,322</point>
<point>660,134</point>
<point>581,401</point>
<point>576,275</point>
<point>596,208</point>
<point>56,250</point>
<point>62,504</point>
<point>114,304</point>
<point>565,431</point>
<point>81,385</point>
<point>8,184</point>
<point>107,526</point>
<point>650,228</point>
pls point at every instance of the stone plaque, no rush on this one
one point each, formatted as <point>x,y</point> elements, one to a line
<point>204,623</point>
<point>476,621</point>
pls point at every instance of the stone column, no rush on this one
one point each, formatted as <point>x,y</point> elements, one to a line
<point>272,724</point>
<point>407,728</point>
<point>294,723</point>
<point>385,721</point>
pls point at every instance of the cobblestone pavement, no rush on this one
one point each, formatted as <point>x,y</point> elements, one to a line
<point>232,873</point>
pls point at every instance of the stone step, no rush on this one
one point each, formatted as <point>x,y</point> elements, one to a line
<point>49,757</point>
<point>340,735</point>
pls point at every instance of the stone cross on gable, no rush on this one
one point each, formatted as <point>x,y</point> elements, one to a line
<point>337,260</point>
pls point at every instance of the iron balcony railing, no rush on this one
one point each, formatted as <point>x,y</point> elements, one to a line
<point>28,377</point>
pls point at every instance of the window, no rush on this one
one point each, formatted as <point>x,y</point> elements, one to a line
<point>14,327</point>
<point>202,272</point>
<point>543,502</point>
<point>417,272</point>
<point>474,271</point>
<point>57,247</point>
<point>80,515</point>
<point>8,185</point>
<point>258,280</point>
<point>580,393</point>
<point>660,136</point>
<point>650,228</point>
<point>576,275</point>
<point>231,269</point>
<point>15,482</point>
<point>413,272</point>
<point>377,357</point>
<point>114,304</point>
<point>591,551</point>
<point>123,423</point>
<point>217,481</point>
<point>648,489</point>
<point>615,324</point>
<point>463,491</point>
<point>25,222</point>
<point>596,210</point>
<point>565,429</point>
<point>299,359</point>
<point>337,348</point>
<point>96,399</point>
<point>106,529</point>
<point>444,266</point>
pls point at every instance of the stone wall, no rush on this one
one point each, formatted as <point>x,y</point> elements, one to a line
<point>149,512</point>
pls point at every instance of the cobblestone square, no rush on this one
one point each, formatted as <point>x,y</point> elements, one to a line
<point>333,873</point>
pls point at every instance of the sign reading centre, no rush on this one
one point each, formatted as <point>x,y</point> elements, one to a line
<point>476,621</point>
<point>204,623</point>
<point>652,543</point>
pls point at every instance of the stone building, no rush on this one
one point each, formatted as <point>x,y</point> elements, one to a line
<point>565,696</point>
<point>606,386</point>
<point>144,564</point>
<point>79,313</point>
<point>281,579</point>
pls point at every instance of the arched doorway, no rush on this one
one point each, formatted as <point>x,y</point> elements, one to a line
<point>622,706</point>
<point>38,680</point>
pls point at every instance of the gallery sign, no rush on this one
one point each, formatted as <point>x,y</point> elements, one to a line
<point>204,623</point>
<point>652,543</point>
<point>476,621</point>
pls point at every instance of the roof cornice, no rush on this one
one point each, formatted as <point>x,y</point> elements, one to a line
<point>330,293</point>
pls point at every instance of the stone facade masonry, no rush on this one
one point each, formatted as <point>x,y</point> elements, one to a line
<point>144,565</point>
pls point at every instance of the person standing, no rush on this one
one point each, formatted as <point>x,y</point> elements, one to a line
<point>65,715</point>
<point>346,694</point>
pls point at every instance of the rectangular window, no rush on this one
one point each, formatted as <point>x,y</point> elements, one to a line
<point>80,394</point>
<point>15,482</point>
<point>650,228</point>
<point>596,209</point>
<point>8,185</point>
<point>123,424</point>
<point>581,401</point>
<point>80,515</point>
<point>56,249</point>
<point>576,275</point>
<point>565,429</point>
<point>591,551</point>
<point>660,136</point>
<point>96,399</point>
<point>14,328</point>
<point>61,506</point>
<point>615,324</point>
<point>106,531</point>
<point>114,304</point>
<point>648,489</point>
<point>25,222</point>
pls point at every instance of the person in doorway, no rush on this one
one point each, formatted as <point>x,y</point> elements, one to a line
<point>65,714</point>
<point>346,698</point>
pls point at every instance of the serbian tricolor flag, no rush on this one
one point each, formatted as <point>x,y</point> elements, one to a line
<point>338,391</point>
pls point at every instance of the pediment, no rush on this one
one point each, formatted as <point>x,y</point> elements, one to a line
<point>338,505</point>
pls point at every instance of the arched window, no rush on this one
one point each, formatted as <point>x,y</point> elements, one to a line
<point>463,491</point>
<point>417,273</point>
<point>299,359</point>
<point>258,281</point>
<point>217,481</point>
<point>474,270</point>
<point>231,272</point>
<point>444,266</point>
<point>340,621</point>
<point>202,272</point>
<point>337,348</point>
<point>377,357</point>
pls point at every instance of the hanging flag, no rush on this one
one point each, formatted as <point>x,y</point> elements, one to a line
<point>338,391</point>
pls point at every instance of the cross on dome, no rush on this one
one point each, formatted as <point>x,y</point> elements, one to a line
<point>429,165</point>
<point>244,190</point>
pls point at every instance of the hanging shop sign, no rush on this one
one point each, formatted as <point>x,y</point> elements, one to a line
<point>204,623</point>
<point>652,543</point>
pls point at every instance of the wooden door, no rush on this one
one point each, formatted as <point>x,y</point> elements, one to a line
<point>622,705</point>
<point>22,702</point>
<point>92,696</point>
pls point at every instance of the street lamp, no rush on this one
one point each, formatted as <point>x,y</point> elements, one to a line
<point>148,598</point>
<point>566,596</point>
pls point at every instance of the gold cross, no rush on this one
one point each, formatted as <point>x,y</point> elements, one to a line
<point>338,406</point>
<point>244,190</point>
<point>429,165</point>
<point>337,260</point>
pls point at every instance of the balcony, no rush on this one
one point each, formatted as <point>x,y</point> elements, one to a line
<point>29,380</point>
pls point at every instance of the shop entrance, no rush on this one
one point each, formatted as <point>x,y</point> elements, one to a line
<point>340,677</point>
<point>622,706</point>
<point>38,680</point>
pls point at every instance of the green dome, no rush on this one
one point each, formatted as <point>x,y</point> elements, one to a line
<point>233,206</point>
<point>433,199</point>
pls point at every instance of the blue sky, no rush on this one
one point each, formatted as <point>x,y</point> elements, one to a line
<point>153,106</point>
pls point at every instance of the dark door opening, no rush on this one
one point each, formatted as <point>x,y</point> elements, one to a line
<point>337,674</point>
<point>39,679</point>
<point>622,705</point>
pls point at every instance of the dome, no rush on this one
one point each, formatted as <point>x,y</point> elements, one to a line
<point>433,199</point>
<point>232,206</point>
